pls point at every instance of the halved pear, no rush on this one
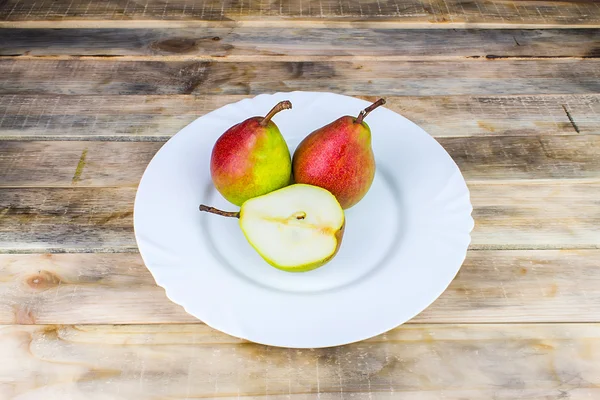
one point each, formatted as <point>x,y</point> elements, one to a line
<point>297,228</point>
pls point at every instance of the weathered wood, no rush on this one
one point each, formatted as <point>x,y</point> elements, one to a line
<point>467,76</point>
<point>521,286</point>
<point>82,289</point>
<point>529,215</point>
<point>300,43</point>
<point>91,219</point>
<point>509,215</point>
<point>67,163</point>
<point>492,158</point>
<point>160,117</point>
<point>530,191</point>
<point>192,361</point>
<point>518,286</point>
<point>447,13</point>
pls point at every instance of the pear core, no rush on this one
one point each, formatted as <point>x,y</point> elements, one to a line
<point>297,228</point>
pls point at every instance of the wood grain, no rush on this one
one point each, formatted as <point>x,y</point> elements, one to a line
<point>156,118</point>
<point>536,215</point>
<point>192,361</point>
<point>306,44</point>
<point>517,108</point>
<point>491,287</point>
<point>509,215</point>
<point>418,78</point>
<point>446,13</point>
<point>484,158</point>
<point>90,219</point>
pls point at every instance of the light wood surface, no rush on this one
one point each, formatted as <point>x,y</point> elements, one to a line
<point>192,361</point>
<point>493,286</point>
<point>90,91</point>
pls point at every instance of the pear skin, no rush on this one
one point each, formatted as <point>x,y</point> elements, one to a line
<point>296,229</point>
<point>251,159</point>
<point>338,157</point>
<point>339,234</point>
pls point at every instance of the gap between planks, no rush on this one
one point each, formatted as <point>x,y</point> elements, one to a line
<point>266,23</point>
<point>285,58</point>
<point>135,250</point>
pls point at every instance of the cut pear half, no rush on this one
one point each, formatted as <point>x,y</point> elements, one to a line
<point>296,229</point>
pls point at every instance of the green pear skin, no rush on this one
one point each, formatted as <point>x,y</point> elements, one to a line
<point>251,158</point>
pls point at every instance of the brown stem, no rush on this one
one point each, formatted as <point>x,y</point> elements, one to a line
<point>212,210</point>
<point>367,110</point>
<point>282,105</point>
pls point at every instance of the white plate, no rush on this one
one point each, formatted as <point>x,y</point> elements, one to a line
<point>404,242</point>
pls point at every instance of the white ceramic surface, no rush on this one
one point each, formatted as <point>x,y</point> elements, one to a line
<point>404,242</point>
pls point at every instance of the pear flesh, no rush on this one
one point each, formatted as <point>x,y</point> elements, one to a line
<point>297,228</point>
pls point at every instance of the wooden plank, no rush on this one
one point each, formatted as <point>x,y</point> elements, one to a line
<point>450,13</point>
<point>82,288</point>
<point>521,286</point>
<point>465,76</point>
<point>518,286</point>
<point>306,44</point>
<point>89,220</point>
<point>482,158</point>
<point>509,215</point>
<point>536,215</point>
<point>192,361</point>
<point>159,117</point>
<point>71,163</point>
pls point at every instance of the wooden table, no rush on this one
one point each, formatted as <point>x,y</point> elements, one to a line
<point>89,91</point>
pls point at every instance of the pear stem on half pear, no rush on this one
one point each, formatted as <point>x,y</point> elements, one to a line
<point>283,105</point>
<point>367,110</point>
<point>212,210</point>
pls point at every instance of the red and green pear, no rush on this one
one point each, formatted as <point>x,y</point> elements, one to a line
<point>338,157</point>
<point>251,158</point>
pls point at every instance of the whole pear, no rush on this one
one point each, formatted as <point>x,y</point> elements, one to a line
<point>338,157</point>
<point>251,158</point>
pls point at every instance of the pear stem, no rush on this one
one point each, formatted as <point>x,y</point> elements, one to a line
<point>283,105</point>
<point>212,210</point>
<point>367,110</point>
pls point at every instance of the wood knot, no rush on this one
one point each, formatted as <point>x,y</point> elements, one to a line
<point>44,280</point>
<point>24,316</point>
<point>175,45</point>
<point>51,332</point>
